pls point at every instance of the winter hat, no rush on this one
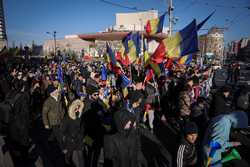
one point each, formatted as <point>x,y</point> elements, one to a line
<point>190,128</point>
<point>91,90</point>
<point>134,96</point>
<point>226,88</point>
<point>51,89</point>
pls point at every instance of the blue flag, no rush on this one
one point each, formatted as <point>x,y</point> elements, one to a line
<point>60,74</point>
<point>125,81</point>
<point>104,73</point>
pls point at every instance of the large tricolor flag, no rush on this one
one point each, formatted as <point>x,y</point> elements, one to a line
<point>155,26</point>
<point>132,45</point>
<point>182,43</point>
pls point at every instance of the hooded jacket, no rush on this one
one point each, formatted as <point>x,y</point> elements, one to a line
<point>219,131</point>
<point>124,149</point>
<point>73,128</point>
<point>220,105</point>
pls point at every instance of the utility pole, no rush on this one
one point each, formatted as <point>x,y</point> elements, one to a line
<point>54,35</point>
<point>170,16</point>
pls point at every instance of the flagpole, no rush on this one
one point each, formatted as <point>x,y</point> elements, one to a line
<point>142,44</point>
<point>157,90</point>
<point>170,19</point>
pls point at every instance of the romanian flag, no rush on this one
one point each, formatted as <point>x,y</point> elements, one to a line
<point>149,62</point>
<point>185,60</point>
<point>111,56</point>
<point>182,43</point>
<point>149,75</point>
<point>159,54</point>
<point>115,66</point>
<point>122,57</point>
<point>132,45</point>
<point>169,64</point>
<point>155,26</point>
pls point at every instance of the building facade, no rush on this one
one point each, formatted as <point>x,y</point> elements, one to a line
<point>3,36</point>
<point>244,49</point>
<point>70,43</point>
<point>212,43</point>
<point>135,21</point>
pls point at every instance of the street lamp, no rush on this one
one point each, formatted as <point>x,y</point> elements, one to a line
<point>54,37</point>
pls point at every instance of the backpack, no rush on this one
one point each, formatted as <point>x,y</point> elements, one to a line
<point>7,107</point>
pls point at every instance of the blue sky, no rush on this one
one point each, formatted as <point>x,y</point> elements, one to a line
<point>28,20</point>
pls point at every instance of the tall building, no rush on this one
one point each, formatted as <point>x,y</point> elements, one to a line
<point>212,43</point>
<point>3,36</point>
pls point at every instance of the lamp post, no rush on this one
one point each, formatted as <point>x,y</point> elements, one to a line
<point>54,37</point>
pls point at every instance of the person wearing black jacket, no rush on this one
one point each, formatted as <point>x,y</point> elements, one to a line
<point>73,134</point>
<point>221,103</point>
<point>94,129</point>
<point>18,128</point>
<point>187,153</point>
<point>125,149</point>
<point>135,104</point>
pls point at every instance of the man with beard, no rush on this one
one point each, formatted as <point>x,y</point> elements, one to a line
<point>124,148</point>
<point>93,125</point>
<point>53,112</point>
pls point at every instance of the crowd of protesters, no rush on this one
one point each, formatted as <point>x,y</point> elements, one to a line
<point>95,122</point>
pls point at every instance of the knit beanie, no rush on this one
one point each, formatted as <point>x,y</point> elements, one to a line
<point>190,128</point>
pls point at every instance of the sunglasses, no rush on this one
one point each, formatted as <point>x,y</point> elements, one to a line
<point>96,94</point>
